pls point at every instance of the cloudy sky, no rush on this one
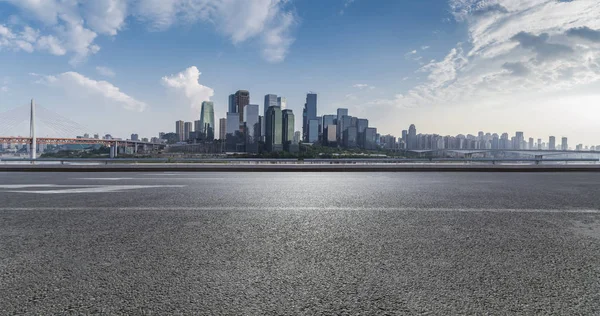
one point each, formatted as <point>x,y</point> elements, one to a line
<point>448,66</point>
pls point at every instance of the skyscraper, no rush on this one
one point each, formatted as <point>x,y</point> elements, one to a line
<point>412,137</point>
<point>187,129</point>
<point>274,129</point>
<point>233,132</point>
<point>179,130</point>
<point>251,127</point>
<point>207,121</point>
<point>241,99</point>
<point>287,136</point>
<point>519,141</point>
<point>282,103</point>
<point>222,128</point>
<point>530,147</point>
<point>310,129</point>
<point>552,143</point>
<point>232,108</point>
<point>539,144</point>
<point>564,144</point>
<point>270,100</point>
<point>340,113</point>
<point>361,126</point>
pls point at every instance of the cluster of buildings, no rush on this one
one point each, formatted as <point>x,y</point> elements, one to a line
<point>248,129</point>
<point>202,129</point>
<point>412,141</point>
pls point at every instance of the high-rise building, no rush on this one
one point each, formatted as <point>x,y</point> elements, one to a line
<point>134,137</point>
<point>273,135</point>
<point>241,99</point>
<point>222,128</point>
<point>197,126</point>
<point>530,147</point>
<point>552,143</point>
<point>231,108</point>
<point>539,144</point>
<point>207,121</point>
<point>351,137</point>
<point>282,103</point>
<point>233,136</point>
<point>370,140</point>
<point>251,127</point>
<point>310,130</point>
<point>270,100</point>
<point>297,137</point>
<point>564,144</point>
<point>330,134</point>
<point>361,126</point>
<point>187,129</point>
<point>179,130</point>
<point>412,137</point>
<point>287,135</point>
<point>329,119</point>
<point>340,113</point>
<point>519,141</point>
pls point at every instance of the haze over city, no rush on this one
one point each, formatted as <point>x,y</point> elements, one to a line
<point>449,67</point>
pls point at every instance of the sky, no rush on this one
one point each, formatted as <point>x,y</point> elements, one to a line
<point>448,66</point>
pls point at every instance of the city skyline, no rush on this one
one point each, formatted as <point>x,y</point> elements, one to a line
<point>441,65</point>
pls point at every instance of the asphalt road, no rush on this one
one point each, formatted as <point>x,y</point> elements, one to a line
<point>300,243</point>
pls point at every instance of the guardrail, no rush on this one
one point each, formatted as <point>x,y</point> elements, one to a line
<point>107,161</point>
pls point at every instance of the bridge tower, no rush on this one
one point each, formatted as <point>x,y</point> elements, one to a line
<point>33,149</point>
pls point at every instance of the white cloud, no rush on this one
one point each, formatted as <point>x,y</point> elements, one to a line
<point>424,47</point>
<point>187,83</point>
<point>347,3</point>
<point>77,84</point>
<point>3,89</point>
<point>515,46</point>
<point>105,71</point>
<point>72,26</point>
<point>363,86</point>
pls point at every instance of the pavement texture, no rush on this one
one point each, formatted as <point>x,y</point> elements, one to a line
<point>300,243</point>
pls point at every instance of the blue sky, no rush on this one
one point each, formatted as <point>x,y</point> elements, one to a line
<point>448,66</point>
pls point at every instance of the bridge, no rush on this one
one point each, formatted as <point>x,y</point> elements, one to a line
<point>64,126</point>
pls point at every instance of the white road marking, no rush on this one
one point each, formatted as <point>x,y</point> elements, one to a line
<point>304,208</point>
<point>97,189</point>
<point>24,186</point>
<point>108,179</point>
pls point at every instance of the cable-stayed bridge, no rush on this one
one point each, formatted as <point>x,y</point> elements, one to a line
<point>58,130</point>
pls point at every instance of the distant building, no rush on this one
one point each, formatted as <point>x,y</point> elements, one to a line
<point>187,129</point>
<point>134,137</point>
<point>233,136</point>
<point>270,100</point>
<point>370,138</point>
<point>222,128</point>
<point>297,137</point>
<point>232,108</point>
<point>282,103</point>
<point>412,137</point>
<point>241,99</point>
<point>552,143</point>
<point>273,125</point>
<point>287,135</point>
<point>207,121</point>
<point>251,127</point>
<point>310,130</point>
<point>179,130</point>
<point>330,133</point>
<point>564,144</point>
<point>530,147</point>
